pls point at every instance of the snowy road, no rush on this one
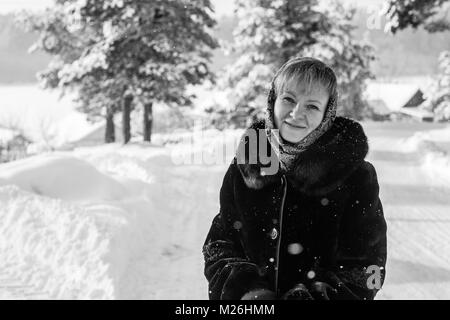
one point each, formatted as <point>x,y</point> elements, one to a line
<point>417,209</point>
<point>134,225</point>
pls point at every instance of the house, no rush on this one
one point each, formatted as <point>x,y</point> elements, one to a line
<point>76,131</point>
<point>397,100</point>
<point>13,145</point>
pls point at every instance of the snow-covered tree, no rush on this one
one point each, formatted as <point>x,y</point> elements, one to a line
<point>439,93</point>
<point>126,53</point>
<point>433,16</point>
<point>271,32</point>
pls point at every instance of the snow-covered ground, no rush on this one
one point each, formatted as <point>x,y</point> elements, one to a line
<point>108,222</point>
<point>413,171</point>
<point>128,222</point>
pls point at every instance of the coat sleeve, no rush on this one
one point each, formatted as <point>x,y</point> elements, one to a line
<point>361,251</point>
<point>229,272</point>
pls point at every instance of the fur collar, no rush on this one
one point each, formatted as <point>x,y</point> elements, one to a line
<point>321,168</point>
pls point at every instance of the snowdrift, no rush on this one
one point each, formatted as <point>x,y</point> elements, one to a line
<point>434,146</point>
<point>108,222</point>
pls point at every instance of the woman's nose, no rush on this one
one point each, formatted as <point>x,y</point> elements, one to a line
<point>297,112</point>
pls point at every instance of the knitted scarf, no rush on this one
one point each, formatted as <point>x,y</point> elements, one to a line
<point>288,152</point>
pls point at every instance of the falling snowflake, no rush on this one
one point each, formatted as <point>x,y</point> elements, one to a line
<point>311,274</point>
<point>274,234</point>
<point>324,201</point>
<point>237,225</point>
<point>272,260</point>
<point>295,248</point>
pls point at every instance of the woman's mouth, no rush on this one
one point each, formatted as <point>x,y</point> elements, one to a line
<point>294,125</point>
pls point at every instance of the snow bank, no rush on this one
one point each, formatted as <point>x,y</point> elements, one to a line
<point>107,222</point>
<point>60,176</point>
<point>435,156</point>
<point>67,229</point>
<point>52,248</point>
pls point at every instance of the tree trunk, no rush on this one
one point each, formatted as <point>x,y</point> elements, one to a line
<point>148,121</point>
<point>126,110</point>
<point>110,134</point>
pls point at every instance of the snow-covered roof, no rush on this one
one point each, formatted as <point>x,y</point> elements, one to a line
<point>6,134</point>
<point>75,127</point>
<point>392,95</point>
<point>418,112</point>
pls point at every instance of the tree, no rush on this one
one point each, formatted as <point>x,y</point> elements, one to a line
<point>441,97</point>
<point>99,98</point>
<point>148,121</point>
<point>271,32</point>
<point>144,51</point>
<point>433,16</point>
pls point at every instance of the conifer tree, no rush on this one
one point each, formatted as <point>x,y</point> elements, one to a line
<point>125,53</point>
<point>271,32</point>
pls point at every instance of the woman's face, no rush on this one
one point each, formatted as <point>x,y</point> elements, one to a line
<point>298,111</point>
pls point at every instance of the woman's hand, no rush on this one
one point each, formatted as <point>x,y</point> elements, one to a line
<point>259,294</point>
<point>299,292</point>
<point>322,290</point>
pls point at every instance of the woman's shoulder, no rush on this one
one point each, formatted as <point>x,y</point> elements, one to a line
<point>365,176</point>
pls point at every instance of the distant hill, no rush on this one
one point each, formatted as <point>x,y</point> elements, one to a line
<point>408,53</point>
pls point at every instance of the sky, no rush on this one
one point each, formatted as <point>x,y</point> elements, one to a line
<point>6,6</point>
<point>221,7</point>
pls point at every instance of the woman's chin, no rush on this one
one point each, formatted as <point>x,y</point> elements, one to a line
<point>293,135</point>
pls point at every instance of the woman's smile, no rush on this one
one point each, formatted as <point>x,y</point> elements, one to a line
<point>295,125</point>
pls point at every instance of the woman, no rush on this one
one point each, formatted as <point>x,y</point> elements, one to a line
<point>312,229</point>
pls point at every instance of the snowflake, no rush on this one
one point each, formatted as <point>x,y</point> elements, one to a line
<point>295,248</point>
<point>324,201</point>
<point>237,225</point>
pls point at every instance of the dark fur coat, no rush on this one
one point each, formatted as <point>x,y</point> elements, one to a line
<point>321,222</point>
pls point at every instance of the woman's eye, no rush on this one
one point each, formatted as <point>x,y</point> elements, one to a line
<point>311,106</point>
<point>290,100</point>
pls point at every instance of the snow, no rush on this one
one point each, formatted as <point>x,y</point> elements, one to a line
<point>55,248</point>
<point>416,205</point>
<point>434,146</point>
<point>6,135</point>
<point>128,222</point>
<point>47,175</point>
<point>73,127</point>
<point>114,219</point>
